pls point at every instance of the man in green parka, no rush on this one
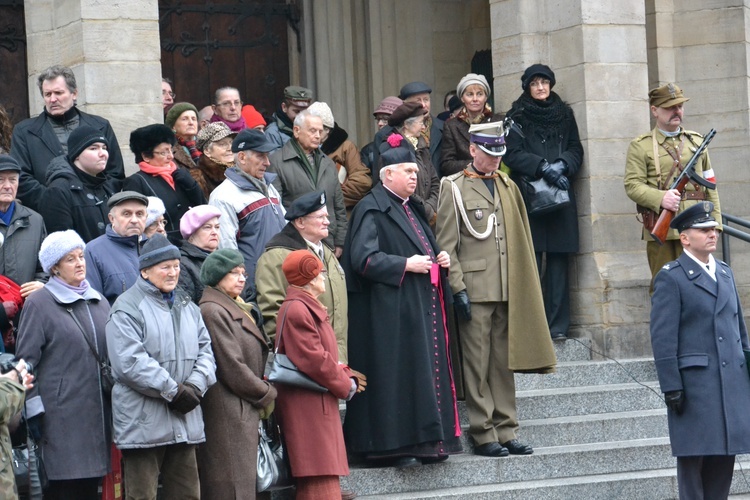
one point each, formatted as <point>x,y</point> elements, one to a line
<point>483,226</point>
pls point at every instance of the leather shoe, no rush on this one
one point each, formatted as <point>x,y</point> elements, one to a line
<point>406,462</point>
<point>559,336</point>
<point>491,450</point>
<point>434,460</point>
<point>516,447</point>
<point>348,495</point>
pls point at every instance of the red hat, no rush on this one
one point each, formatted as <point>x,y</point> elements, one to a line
<point>252,117</point>
<point>301,267</point>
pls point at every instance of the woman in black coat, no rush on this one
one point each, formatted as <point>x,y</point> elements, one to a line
<point>200,228</point>
<point>160,177</point>
<point>77,190</point>
<point>547,145</point>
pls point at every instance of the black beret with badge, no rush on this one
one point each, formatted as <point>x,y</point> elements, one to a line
<point>696,217</point>
<point>306,204</point>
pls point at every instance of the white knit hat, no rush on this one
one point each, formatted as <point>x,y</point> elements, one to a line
<point>57,245</point>
<point>155,209</point>
<point>321,110</point>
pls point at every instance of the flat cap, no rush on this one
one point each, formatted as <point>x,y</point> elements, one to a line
<point>299,96</point>
<point>252,140</point>
<point>7,162</point>
<point>489,137</point>
<point>666,96</point>
<point>413,88</point>
<point>698,216</point>
<point>306,204</point>
<point>118,198</point>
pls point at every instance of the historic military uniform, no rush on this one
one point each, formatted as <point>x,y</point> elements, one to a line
<point>698,335</point>
<point>481,217</point>
<point>647,180</point>
<point>11,402</point>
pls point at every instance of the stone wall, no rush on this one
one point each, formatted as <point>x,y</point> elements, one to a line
<point>113,48</point>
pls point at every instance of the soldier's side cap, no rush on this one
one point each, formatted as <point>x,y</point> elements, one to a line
<point>698,216</point>
<point>7,162</point>
<point>306,204</point>
<point>118,198</point>
<point>413,88</point>
<point>666,96</point>
<point>253,140</point>
<point>489,137</point>
<point>299,96</point>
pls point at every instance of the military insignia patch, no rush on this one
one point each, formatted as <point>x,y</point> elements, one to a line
<point>478,214</point>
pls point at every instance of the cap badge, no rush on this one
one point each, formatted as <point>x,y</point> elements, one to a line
<point>707,207</point>
<point>672,91</point>
<point>323,199</point>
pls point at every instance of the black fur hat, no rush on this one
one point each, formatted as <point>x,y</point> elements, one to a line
<point>145,139</point>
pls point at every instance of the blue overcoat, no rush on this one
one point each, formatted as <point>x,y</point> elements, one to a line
<point>697,335</point>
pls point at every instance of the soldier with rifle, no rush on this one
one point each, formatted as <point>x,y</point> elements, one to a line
<point>649,183</point>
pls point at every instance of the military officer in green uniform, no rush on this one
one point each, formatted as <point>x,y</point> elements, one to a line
<point>482,224</point>
<point>647,181</point>
<point>13,385</point>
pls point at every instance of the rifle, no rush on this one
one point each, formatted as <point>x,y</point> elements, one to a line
<point>659,233</point>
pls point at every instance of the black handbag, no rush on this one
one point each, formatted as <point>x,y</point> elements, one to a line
<point>284,371</point>
<point>273,471</point>
<point>541,197</point>
<point>106,379</point>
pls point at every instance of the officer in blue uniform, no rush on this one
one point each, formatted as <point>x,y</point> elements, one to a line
<point>698,335</point>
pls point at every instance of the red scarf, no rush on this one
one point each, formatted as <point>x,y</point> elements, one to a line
<point>163,172</point>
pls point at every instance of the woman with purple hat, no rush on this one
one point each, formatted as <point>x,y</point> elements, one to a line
<point>546,145</point>
<point>200,230</point>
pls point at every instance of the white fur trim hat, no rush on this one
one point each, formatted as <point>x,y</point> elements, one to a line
<point>57,245</point>
<point>323,111</point>
<point>155,209</point>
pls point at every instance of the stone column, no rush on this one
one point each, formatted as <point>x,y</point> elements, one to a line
<point>598,52</point>
<point>113,49</point>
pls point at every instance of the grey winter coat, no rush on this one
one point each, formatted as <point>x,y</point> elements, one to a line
<point>153,348</point>
<point>76,426</point>
<point>23,238</point>
<point>698,334</point>
<point>294,180</point>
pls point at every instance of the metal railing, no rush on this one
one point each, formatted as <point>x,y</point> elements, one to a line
<point>730,231</point>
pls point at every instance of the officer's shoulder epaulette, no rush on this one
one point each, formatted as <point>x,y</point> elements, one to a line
<point>504,177</point>
<point>453,177</point>
<point>694,133</point>
<point>671,265</point>
<point>641,137</point>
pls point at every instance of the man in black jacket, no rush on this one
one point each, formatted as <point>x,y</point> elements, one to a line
<point>37,141</point>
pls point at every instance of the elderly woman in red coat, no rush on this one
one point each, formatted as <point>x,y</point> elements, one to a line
<point>305,335</point>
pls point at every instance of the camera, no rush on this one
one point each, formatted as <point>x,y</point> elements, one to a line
<point>8,362</point>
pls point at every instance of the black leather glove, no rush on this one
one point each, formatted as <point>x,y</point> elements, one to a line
<point>182,178</point>
<point>34,426</point>
<point>555,174</point>
<point>185,400</point>
<point>462,305</point>
<point>675,400</point>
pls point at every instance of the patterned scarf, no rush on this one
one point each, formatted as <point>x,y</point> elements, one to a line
<point>194,152</point>
<point>485,115</point>
<point>163,172</point>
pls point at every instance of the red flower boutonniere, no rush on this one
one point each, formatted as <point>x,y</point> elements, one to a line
<point>395,140</point>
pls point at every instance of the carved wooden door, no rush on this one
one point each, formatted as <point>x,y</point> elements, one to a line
<point>208,44</point>
<point>14,94</point>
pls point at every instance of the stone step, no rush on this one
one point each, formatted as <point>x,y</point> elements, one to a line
<point>651,484</point>
<point>583,373</point>
<point>573,349</point>
<point>590,400</point>
<point>546,463</point>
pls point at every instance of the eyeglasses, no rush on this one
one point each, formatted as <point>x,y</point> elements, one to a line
<point>169,93</point>
<point>162,223</point>
<point>165,154</point>
<point>229,104</point>
<point>542,82</point>
<point>239,275</point>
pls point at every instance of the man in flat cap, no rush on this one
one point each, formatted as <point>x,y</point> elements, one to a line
<point>497,295</point>
<point>698,335</point>
<point>307,229</point>
<point>251,210</point>
<point>647,181</point>
<point>112,258</point>
<point>433,132</point>
<point>280,129</point>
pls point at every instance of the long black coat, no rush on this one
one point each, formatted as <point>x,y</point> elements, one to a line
<point>556,231</point>
<point>75,200</point>
<point>35,145</point>
<point>697,334</point>
<point>176,201</point>
<point>391,334</point>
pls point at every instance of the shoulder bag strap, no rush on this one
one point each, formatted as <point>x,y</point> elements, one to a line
<point>83,332</point>
<point>278,330</point>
